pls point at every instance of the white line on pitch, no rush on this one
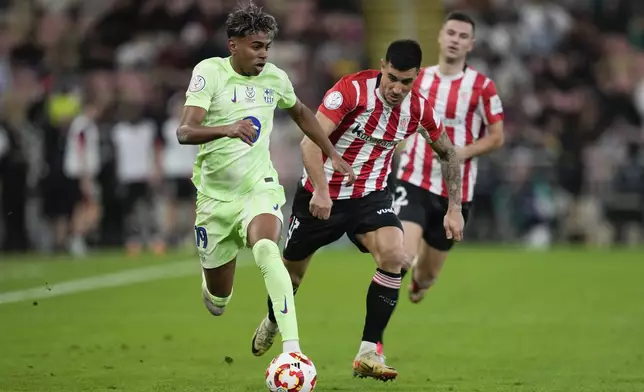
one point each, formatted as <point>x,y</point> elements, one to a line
<point>138,275</point>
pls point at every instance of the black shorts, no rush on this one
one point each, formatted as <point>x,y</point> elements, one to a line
<point>134,193</point>
<point>415,204</point>
<point>307,234</point>
<point>60,196</point>
<point>181,189</point>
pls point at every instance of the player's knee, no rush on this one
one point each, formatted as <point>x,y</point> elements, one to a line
<point>264,250</point>
<point>392,259</point>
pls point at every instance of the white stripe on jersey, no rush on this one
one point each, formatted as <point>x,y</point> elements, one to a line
<point>447,94</point>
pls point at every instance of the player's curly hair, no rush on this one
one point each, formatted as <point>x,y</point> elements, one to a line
<point>249,20</point>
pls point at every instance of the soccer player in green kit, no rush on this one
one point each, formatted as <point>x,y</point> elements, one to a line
<point>229,112</point>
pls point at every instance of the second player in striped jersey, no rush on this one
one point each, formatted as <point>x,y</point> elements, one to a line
<point>366,115</point>
<point>472,114</point>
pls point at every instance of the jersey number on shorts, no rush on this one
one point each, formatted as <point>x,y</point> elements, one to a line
<point>293,225</point>
<point>202,237</point>
<point>400,199</point>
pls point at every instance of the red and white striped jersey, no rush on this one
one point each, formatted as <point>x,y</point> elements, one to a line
<point>466,103</point>
<point>368,130</point>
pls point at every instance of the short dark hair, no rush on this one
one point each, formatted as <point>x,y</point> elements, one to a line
<point>461,17</point>
<point>250,20</point>
<point>404,54</point>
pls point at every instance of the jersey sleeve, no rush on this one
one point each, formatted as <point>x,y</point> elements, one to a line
<point>339,101</point>
<point>288,98</point>
<point>430,121</point>
<point>203,86</point>
<point>490,106</point>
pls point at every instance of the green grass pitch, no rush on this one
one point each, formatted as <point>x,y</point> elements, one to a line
<point>498,320</point>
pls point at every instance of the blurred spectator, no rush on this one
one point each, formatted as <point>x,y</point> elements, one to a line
<point>177,164</point>
<point>133,60</point>
<point>572,81</point>
<point>570,72</point>
<point>81,165</point>
<point>138,171</point>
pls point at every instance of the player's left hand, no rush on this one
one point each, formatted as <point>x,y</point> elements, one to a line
<point>460,154</point>
<point>454,223</point>
<point>340,165</point>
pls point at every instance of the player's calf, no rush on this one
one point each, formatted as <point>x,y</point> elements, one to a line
<point>216,305</point>
<point>424,273</point>
<point>265,333</point>
<point>386,246</point>
<point>217,286</point>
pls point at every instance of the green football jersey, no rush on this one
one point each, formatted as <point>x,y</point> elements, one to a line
<point>229,167</point>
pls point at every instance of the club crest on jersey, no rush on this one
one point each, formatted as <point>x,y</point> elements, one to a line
<point>269,95</point>
<point>404,122</point>
<point>250,94</point>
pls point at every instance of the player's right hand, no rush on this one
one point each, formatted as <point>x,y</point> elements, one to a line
<point>453,224</point>
<point>340,165</point>
<point>244,130</point>
<point>320,204</point>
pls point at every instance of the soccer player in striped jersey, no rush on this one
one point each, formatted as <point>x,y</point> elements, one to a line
<point>472,114</point>
<point>366,115</point>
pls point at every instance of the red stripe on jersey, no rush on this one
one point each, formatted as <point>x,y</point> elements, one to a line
<point>429,152</point>
<point>335,136</point>
<point>469,136</point>
<point>450,113</point>
<point>384,173</point>
<point>419,80</point>
<point>408,170</point>
<point>367,167</point>
<point>352,152</point>
<point>414,107</point>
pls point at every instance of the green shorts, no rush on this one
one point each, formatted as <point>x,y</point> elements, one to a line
<point>221,226</point>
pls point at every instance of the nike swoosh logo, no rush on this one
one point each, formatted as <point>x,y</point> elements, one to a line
<point>276,207</point>
<point>285,310</point>
<point>234,95</point>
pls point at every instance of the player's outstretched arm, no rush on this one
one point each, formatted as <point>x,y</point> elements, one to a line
<point>191,131</point>
<point>432,130</point>
<point>450,168</point>
<point>304,118</point>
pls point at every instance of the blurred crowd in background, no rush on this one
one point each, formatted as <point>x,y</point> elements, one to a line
<point>570,73</point>
<point>571,76</point>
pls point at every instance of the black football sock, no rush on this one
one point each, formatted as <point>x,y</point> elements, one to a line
<point>271,313</point>
<point>403,272</point>
<point>382,298</point>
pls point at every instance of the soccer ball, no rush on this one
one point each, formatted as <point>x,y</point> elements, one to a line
<point>291,372</point>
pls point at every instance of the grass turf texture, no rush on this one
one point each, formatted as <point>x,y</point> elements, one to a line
<point>498,320</point>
